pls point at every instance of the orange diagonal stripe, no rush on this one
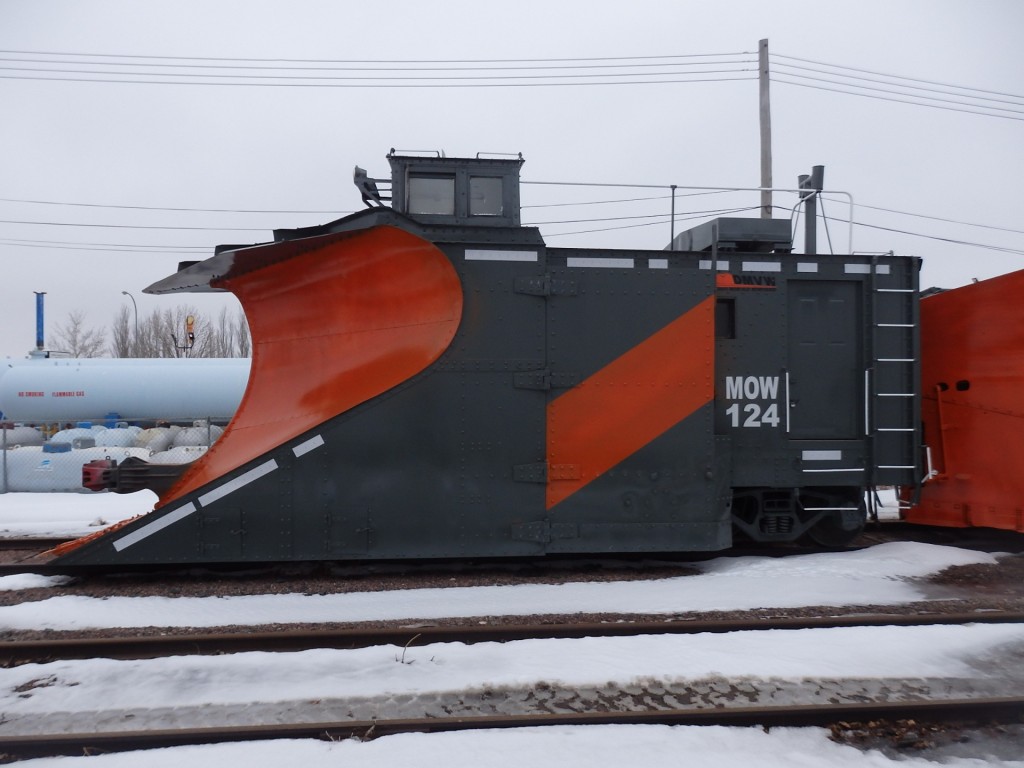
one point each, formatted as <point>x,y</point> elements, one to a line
<point>632,400</point>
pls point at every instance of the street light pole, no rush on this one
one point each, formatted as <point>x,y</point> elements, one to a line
<point>135,338</point>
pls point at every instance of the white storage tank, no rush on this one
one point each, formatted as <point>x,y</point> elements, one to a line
<point>56,467</point>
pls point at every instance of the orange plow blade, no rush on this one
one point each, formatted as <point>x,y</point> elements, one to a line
<point>335,321</point>
<point>972,345</point>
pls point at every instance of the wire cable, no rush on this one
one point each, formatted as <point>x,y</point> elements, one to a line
<point>885,74</point>
<point>954,241</point>
<point>135,226</point>
<point>165,208</point>
<point>937,218</point>
<point>900,93</point>
<point>775,79</point>
<point>1019,102</point>
<point>378,61</point>
<point>455,73</point>
<point>379,85</point>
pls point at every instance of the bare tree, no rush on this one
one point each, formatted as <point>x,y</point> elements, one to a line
<point>75,339</point>
<point>241,338</point>
<point>121,336</point>
<point>230,336</point>
<point>166,334</point>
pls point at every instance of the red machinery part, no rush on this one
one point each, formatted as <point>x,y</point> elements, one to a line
<point>386,304</point>
<point>972,348</point>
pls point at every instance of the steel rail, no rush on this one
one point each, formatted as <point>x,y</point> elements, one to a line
<point>13,653</point>
<point>39,543</point>
<point>988,710</point>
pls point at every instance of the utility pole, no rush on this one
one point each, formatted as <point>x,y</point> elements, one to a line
<point>766,130</point>
<point>812,185</point>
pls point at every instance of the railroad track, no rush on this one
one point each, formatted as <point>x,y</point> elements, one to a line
<point>13,653</point>
<point>31,543</point>
<point>960,711</point>
<point>478,711</point>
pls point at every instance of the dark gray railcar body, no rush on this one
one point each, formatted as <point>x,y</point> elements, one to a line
<point>800,374</point>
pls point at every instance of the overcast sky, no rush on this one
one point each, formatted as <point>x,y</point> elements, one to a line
<point>220,135</point>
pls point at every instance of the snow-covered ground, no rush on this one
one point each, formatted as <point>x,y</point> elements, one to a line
<point>68,514</point>
<point>880,575</point>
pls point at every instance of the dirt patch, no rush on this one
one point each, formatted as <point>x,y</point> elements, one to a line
<point>1003,578</point>
<point>934,741</point>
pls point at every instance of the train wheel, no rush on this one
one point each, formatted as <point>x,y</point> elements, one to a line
<point>840,527</point>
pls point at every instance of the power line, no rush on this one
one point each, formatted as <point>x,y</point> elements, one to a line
<point>648,223</point>
<point>952,240</point>
<point>347,68</point>
<point>135,226</point>
<point>44,243</point>
<point>413,79</point>
<point>775,79</point>
<point>194,70</point>
<point>900,77</point>
<point>624,200</point>
<point>165,208</point>
<point>934,218</point>
<point>109,249</point>
<point>945,91</point>
<point>377,61</point>
<point>380,85</point>
<point>661,216</point>
<point>901,93</point>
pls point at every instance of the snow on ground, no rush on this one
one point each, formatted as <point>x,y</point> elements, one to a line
<point>596,746</point>
<point>601,746</point>
<point>68,514</point>
<point>875,576</point>
<point>565,664</point>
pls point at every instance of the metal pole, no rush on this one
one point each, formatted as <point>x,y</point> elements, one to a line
<point>40,341</point>
<point>672,234</point>
<point>135,338</point>
<point>813,183</point>
<point>766,130</point>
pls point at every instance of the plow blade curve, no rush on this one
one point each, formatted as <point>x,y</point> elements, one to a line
<point>335,320</point>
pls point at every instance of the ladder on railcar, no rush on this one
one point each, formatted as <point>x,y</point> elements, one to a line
<point>892,405</point>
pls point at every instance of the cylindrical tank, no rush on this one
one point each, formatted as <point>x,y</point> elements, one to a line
<point>18,436</point>
<point>121,389</point>
<point>34,469</point>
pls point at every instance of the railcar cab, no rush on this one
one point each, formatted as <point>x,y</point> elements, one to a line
<point>438,190</point>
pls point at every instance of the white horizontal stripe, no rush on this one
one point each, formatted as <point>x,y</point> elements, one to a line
<point>157,525</point>
<point>721,266</point>
<point>304,448</point>
<point>591,261</point>
<point>865,269</point>
<point>239,482</point>
<point>839,469</point>
<point>762,266</point>
<point>657,263</point>
<point>806,266</point>
<point>821,455</point>
<point>473,254</point>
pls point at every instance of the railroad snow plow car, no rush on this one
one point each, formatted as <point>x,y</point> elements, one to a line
<point>972,345</point>
<point>431,380</point>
